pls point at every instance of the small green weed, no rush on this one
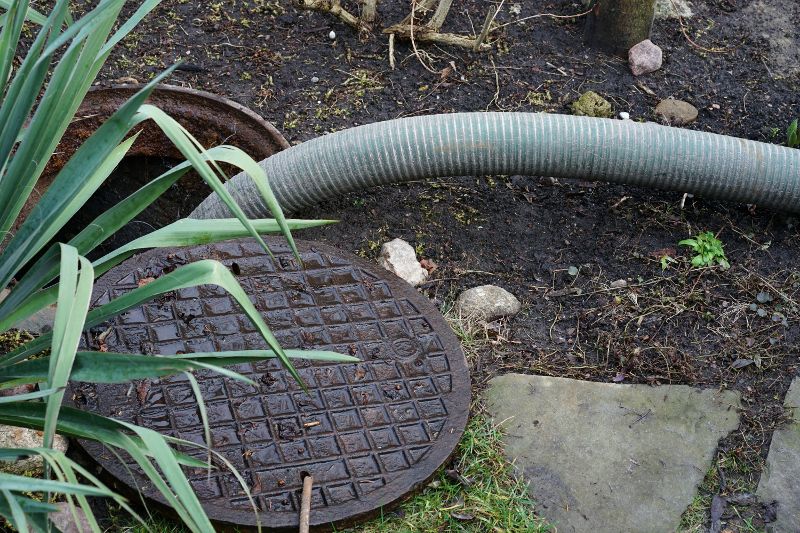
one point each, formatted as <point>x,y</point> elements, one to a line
<point>792,135</point>
<point>708,250</point>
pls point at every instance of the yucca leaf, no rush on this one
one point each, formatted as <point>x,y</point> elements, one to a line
<point>83,424</point>
<point>27,83</point>
<point>45,268</point>
<point>75,292</point>
<point>188,232</point>
<point>18,517</point>
<point>27,484</point>
<point>66,88</point>
<point>111,367</point>
<point>184,232</point>
<point>259,177</point>
<point>10,36</point>
<point>29,395</point>
<point>55,208</point>
<point>34,506</point>
<point>206,272</point>
<point>175,495</point>
<point>71,180</point>
<point>31,15</point>
<point>34,511</point>
<point>194,152</point>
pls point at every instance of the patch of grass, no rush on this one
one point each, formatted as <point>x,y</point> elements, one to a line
<point>488,498</point>
<point>740,478</point>
<point>696,515</point>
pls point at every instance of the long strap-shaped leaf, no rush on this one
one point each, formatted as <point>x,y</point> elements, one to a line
<point>65,91</point>
<point>10,36</point>
<point>206,272</point>
<point>28,484</point>
<point>21,93</point>
<point>74,294</point>
<point>45,268</point>
<point>194,152</point>
<point>83,424</point>
<point>110,367</point>
<point>181,233</point>
<point>66,88</point>
<point>145,445</point>
<point>55,208</point>
<point>31,15</point>
<point>69,183</point>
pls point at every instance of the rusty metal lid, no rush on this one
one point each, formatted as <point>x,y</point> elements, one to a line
<point>211,119</point>
<point>369,433</point>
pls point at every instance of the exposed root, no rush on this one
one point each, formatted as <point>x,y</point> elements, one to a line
<point>334,7</point>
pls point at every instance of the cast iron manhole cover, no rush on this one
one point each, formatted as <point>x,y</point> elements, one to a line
<point>369,433</point>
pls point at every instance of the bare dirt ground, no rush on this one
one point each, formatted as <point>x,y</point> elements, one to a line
<point>671,323</point>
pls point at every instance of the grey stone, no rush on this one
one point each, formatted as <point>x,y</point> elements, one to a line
<point>606,458</point>
<point>66,522</point>
<point>487,302</point>
<point>676,112</point>
<point>644,58</point>
<point>399,258</point>
<point>591,104</point>
<point>16,437</point>
<point>672,9</point>
<point>618,284</point>
<point>779,480</point>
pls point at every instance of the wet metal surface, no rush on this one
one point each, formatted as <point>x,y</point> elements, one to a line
<point>369,433</point>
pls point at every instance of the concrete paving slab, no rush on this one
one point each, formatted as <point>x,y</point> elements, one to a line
<point>780,481</point>
<point>608,458</point>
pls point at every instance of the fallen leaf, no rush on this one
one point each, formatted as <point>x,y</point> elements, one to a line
<point>741,363</point>
<point>144,281</point>
<point>428,265</point>
<point>662,252</point>
<point>619,377</point>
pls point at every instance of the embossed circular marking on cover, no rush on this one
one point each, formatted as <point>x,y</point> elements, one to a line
<point>369,433</point>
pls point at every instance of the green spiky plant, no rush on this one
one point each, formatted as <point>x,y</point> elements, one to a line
<point>38,98</point>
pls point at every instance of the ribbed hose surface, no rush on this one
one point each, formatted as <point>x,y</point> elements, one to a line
<point>477,144</point>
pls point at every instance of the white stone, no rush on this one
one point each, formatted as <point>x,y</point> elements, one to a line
<point>487,302</point>
<point>399,258</point>
<point>332,35</point>
<point>624,115</point>
<point>16,437</point>
<point>644,58</point>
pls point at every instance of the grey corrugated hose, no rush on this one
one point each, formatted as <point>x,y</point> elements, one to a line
<point>478,144</point>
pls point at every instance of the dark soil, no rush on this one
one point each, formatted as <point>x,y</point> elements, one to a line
<point>676,324</point>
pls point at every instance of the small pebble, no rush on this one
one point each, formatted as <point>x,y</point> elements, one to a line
<point>624,115</point>
<point>314,79</point>
<point>332,35</point>
<point>620,283</point>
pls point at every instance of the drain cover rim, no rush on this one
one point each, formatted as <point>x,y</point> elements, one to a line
<point>457,403</point>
